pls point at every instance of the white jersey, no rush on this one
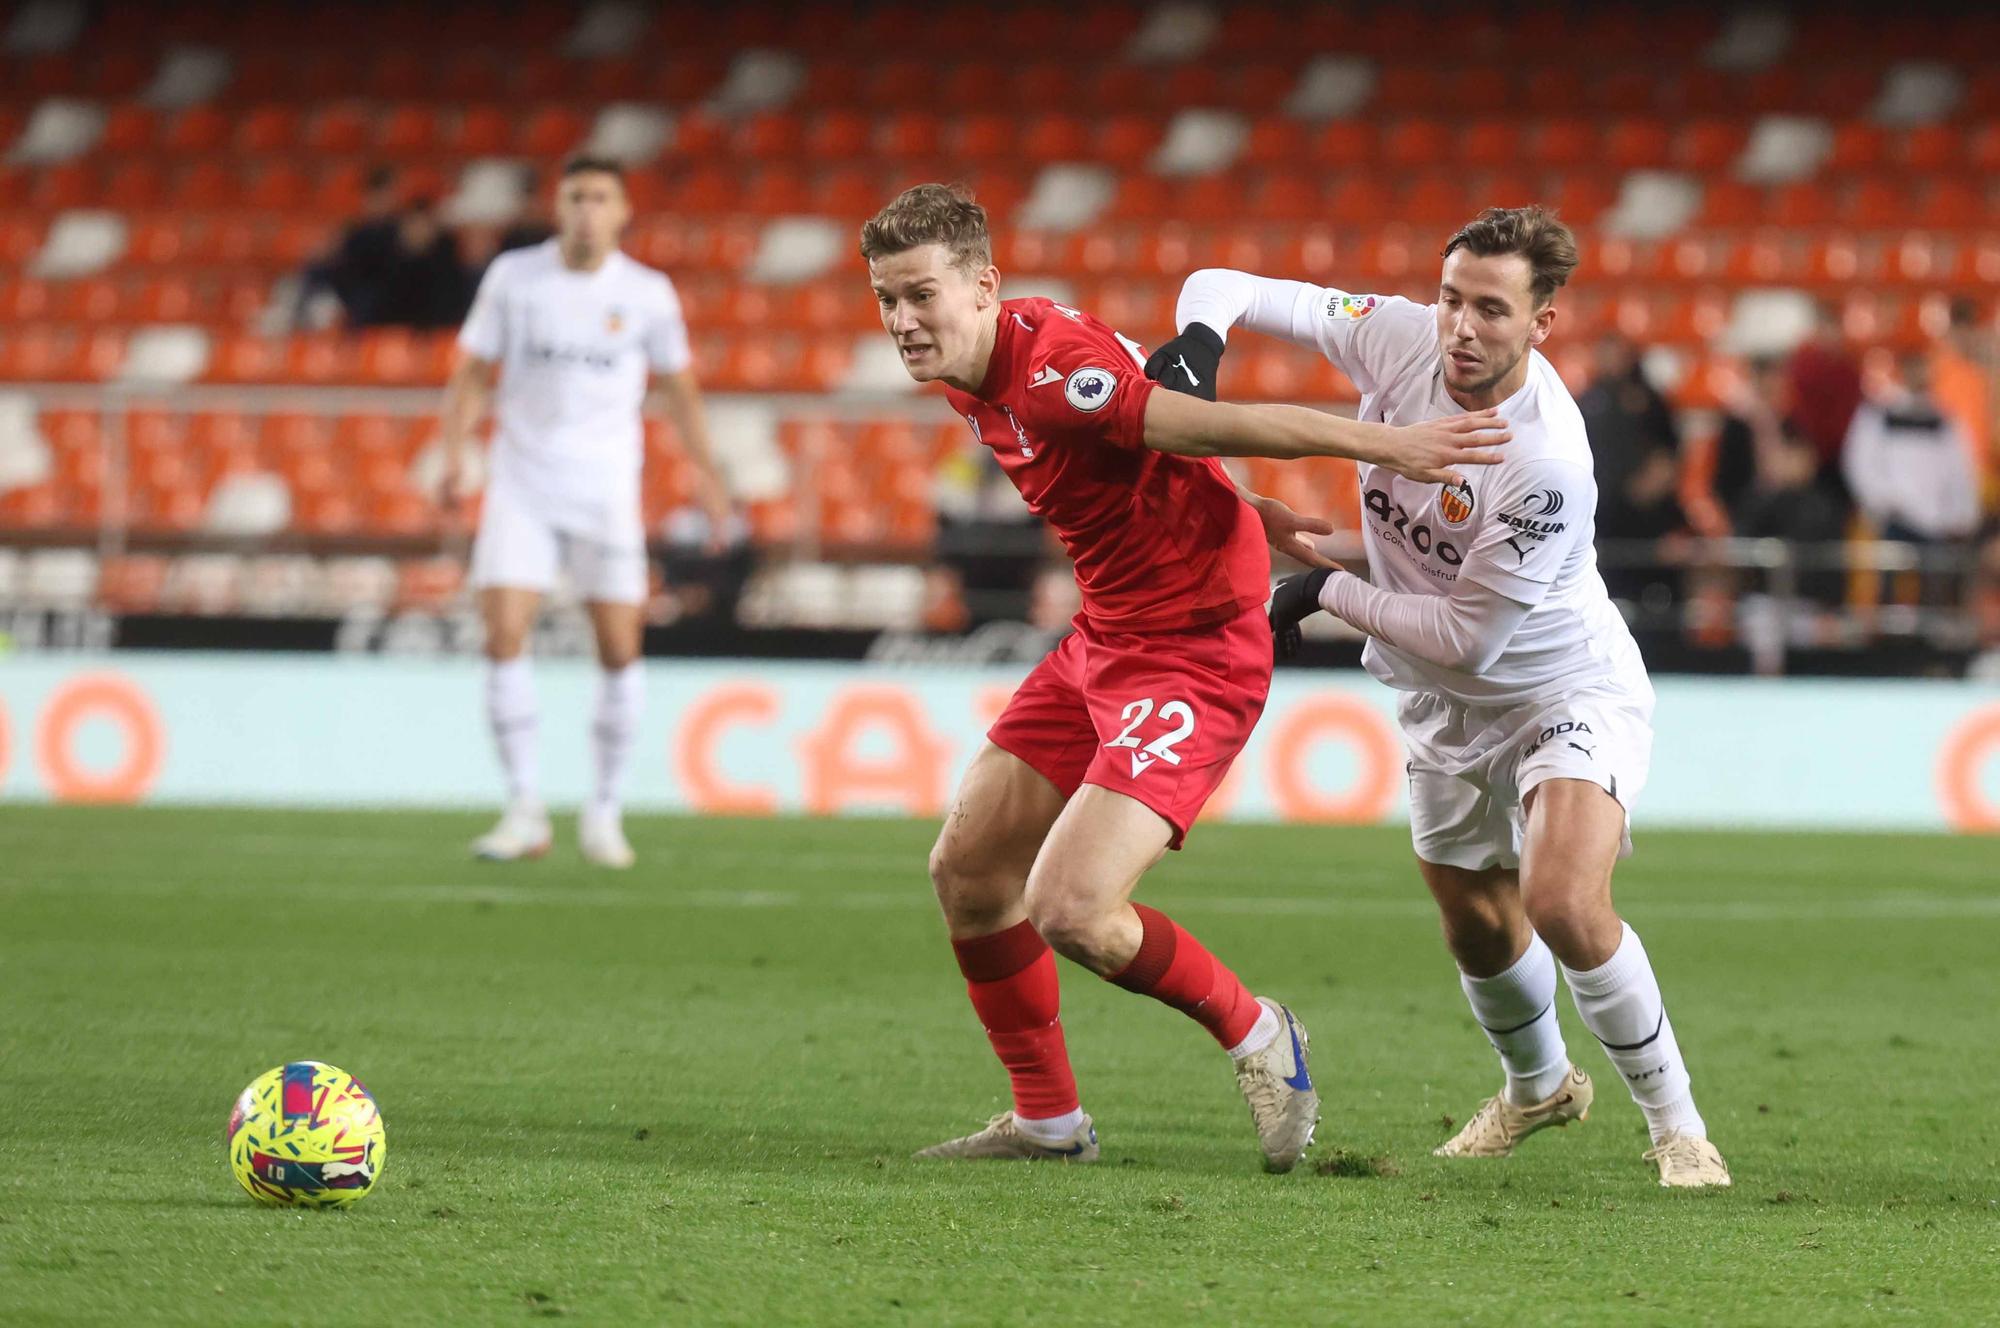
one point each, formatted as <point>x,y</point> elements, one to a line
<point>1524,528</point>
<point>575,350</point>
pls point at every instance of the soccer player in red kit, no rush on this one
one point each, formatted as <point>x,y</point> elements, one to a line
<point>1109,748</point>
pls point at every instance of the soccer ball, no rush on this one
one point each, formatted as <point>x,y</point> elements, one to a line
<point>306,1133</point>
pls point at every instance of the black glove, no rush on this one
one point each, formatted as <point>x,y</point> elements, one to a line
<point>1189,362</point>
<point>1295,599</point>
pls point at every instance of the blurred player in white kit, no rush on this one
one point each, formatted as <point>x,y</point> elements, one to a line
<point>580,339</point>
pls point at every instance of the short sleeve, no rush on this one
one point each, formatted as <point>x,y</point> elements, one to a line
<point>667,338</point>
<point>1088,382</point>
<point>1529,522</point>
<point>485,330</point>
<point>1370,337</point>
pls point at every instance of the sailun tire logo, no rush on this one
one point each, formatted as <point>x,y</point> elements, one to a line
<point>1542,502</point>
<point>1089,389</point>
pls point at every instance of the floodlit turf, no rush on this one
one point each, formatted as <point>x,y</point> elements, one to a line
<point>688,1094</point>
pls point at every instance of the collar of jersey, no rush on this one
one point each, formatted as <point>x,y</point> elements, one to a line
<point>998,365</point>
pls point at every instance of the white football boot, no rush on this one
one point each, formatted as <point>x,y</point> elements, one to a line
<point>1277,1084</point>
<point>1689,1162</point>
<point>1003,1139</point>
<point>1499,1125</point>
<point>523,832</point>
<point>601,836</point>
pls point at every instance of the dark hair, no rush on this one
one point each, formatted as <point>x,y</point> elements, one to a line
<point>379,178</point>
<point>583,164</point>
<point>1532,232</point>
<point>931,214</point>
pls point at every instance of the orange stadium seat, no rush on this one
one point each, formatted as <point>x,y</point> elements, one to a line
<point>478,130</point>
<point>467,75</point>
<point>57,188</point>
<point>408,130</point>
<point>552,131</point>
<point>24,300</point>
<point>1708,145</point>
<point>1932,148</point>
<point>127,128</point>
<point>196,131</point>
<point>838,135</point>
<point>768,135</point>
<point>1344,144</point>
<point>338,129</point>
<point>1127,140</point>
<point>1954,205</point>
<point>279,186</point>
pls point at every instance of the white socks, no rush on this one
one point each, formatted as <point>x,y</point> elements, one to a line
<point>1051,1130</point>
<point>1517,1009</point>
<point>1620,1003</point>
<point>621,700</point>
<point>1261,1035</point>
<point>511,714</point>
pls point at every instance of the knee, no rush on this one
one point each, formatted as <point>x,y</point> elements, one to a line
<point>1070,921</point>
<point>1569,922</point>
<point>1482,931</point>
<point>967,893</point>
<point>617,658</point>
<point>505,641</point>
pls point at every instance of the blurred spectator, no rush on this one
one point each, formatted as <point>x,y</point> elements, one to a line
<point>426,287</point>
<point>525,229</point>
<point>1754,426</point>
<point>1789,503</point>
<point>1965,366</point>
<point>356,271</point>
<point>480,243</point>
<point>1911,470</point>
<point>1629,423</point>
<point>1636,450</point>
<point>1825,392</point>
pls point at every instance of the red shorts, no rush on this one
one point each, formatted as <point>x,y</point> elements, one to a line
<point>1157,716</point>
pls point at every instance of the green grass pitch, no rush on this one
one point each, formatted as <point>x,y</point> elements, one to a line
<point>688,1094</point>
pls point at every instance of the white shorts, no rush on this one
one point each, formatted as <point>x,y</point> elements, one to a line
<point>523,543</point>
<point>1472,767</point>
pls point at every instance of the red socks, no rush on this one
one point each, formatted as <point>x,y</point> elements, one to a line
<point>1011,977</point>
<point>1174,967</point>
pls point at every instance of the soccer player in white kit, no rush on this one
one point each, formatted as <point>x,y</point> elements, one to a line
<point>580,339</point>
<point>1525,705</point>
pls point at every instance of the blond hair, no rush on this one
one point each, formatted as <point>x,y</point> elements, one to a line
<point>942,214</point>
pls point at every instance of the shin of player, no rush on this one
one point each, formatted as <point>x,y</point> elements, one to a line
<point>1524,702</point>
<point>1107,751</point>
<point>570,342</point>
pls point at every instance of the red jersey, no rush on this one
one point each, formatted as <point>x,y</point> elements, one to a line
<point>1160,542</point>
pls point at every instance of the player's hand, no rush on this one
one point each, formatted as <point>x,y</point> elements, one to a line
<point>1290,533</point>
<point>1436,451</point>
<point>1295,600</point>
<point>721,514</point>
<point>454,483</point>
<point>1189,362</point>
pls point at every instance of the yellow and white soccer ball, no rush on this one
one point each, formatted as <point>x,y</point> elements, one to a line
<point>306,1133</point>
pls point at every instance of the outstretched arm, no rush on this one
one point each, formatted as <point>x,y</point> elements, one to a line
<point>1464,631</point>
<point>1221,298</point>
<point>1430,453</point>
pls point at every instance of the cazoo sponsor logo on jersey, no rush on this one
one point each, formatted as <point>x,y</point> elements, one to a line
<point>1397,530</point>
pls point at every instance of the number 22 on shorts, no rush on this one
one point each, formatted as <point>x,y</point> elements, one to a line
<point>1161,748</point>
